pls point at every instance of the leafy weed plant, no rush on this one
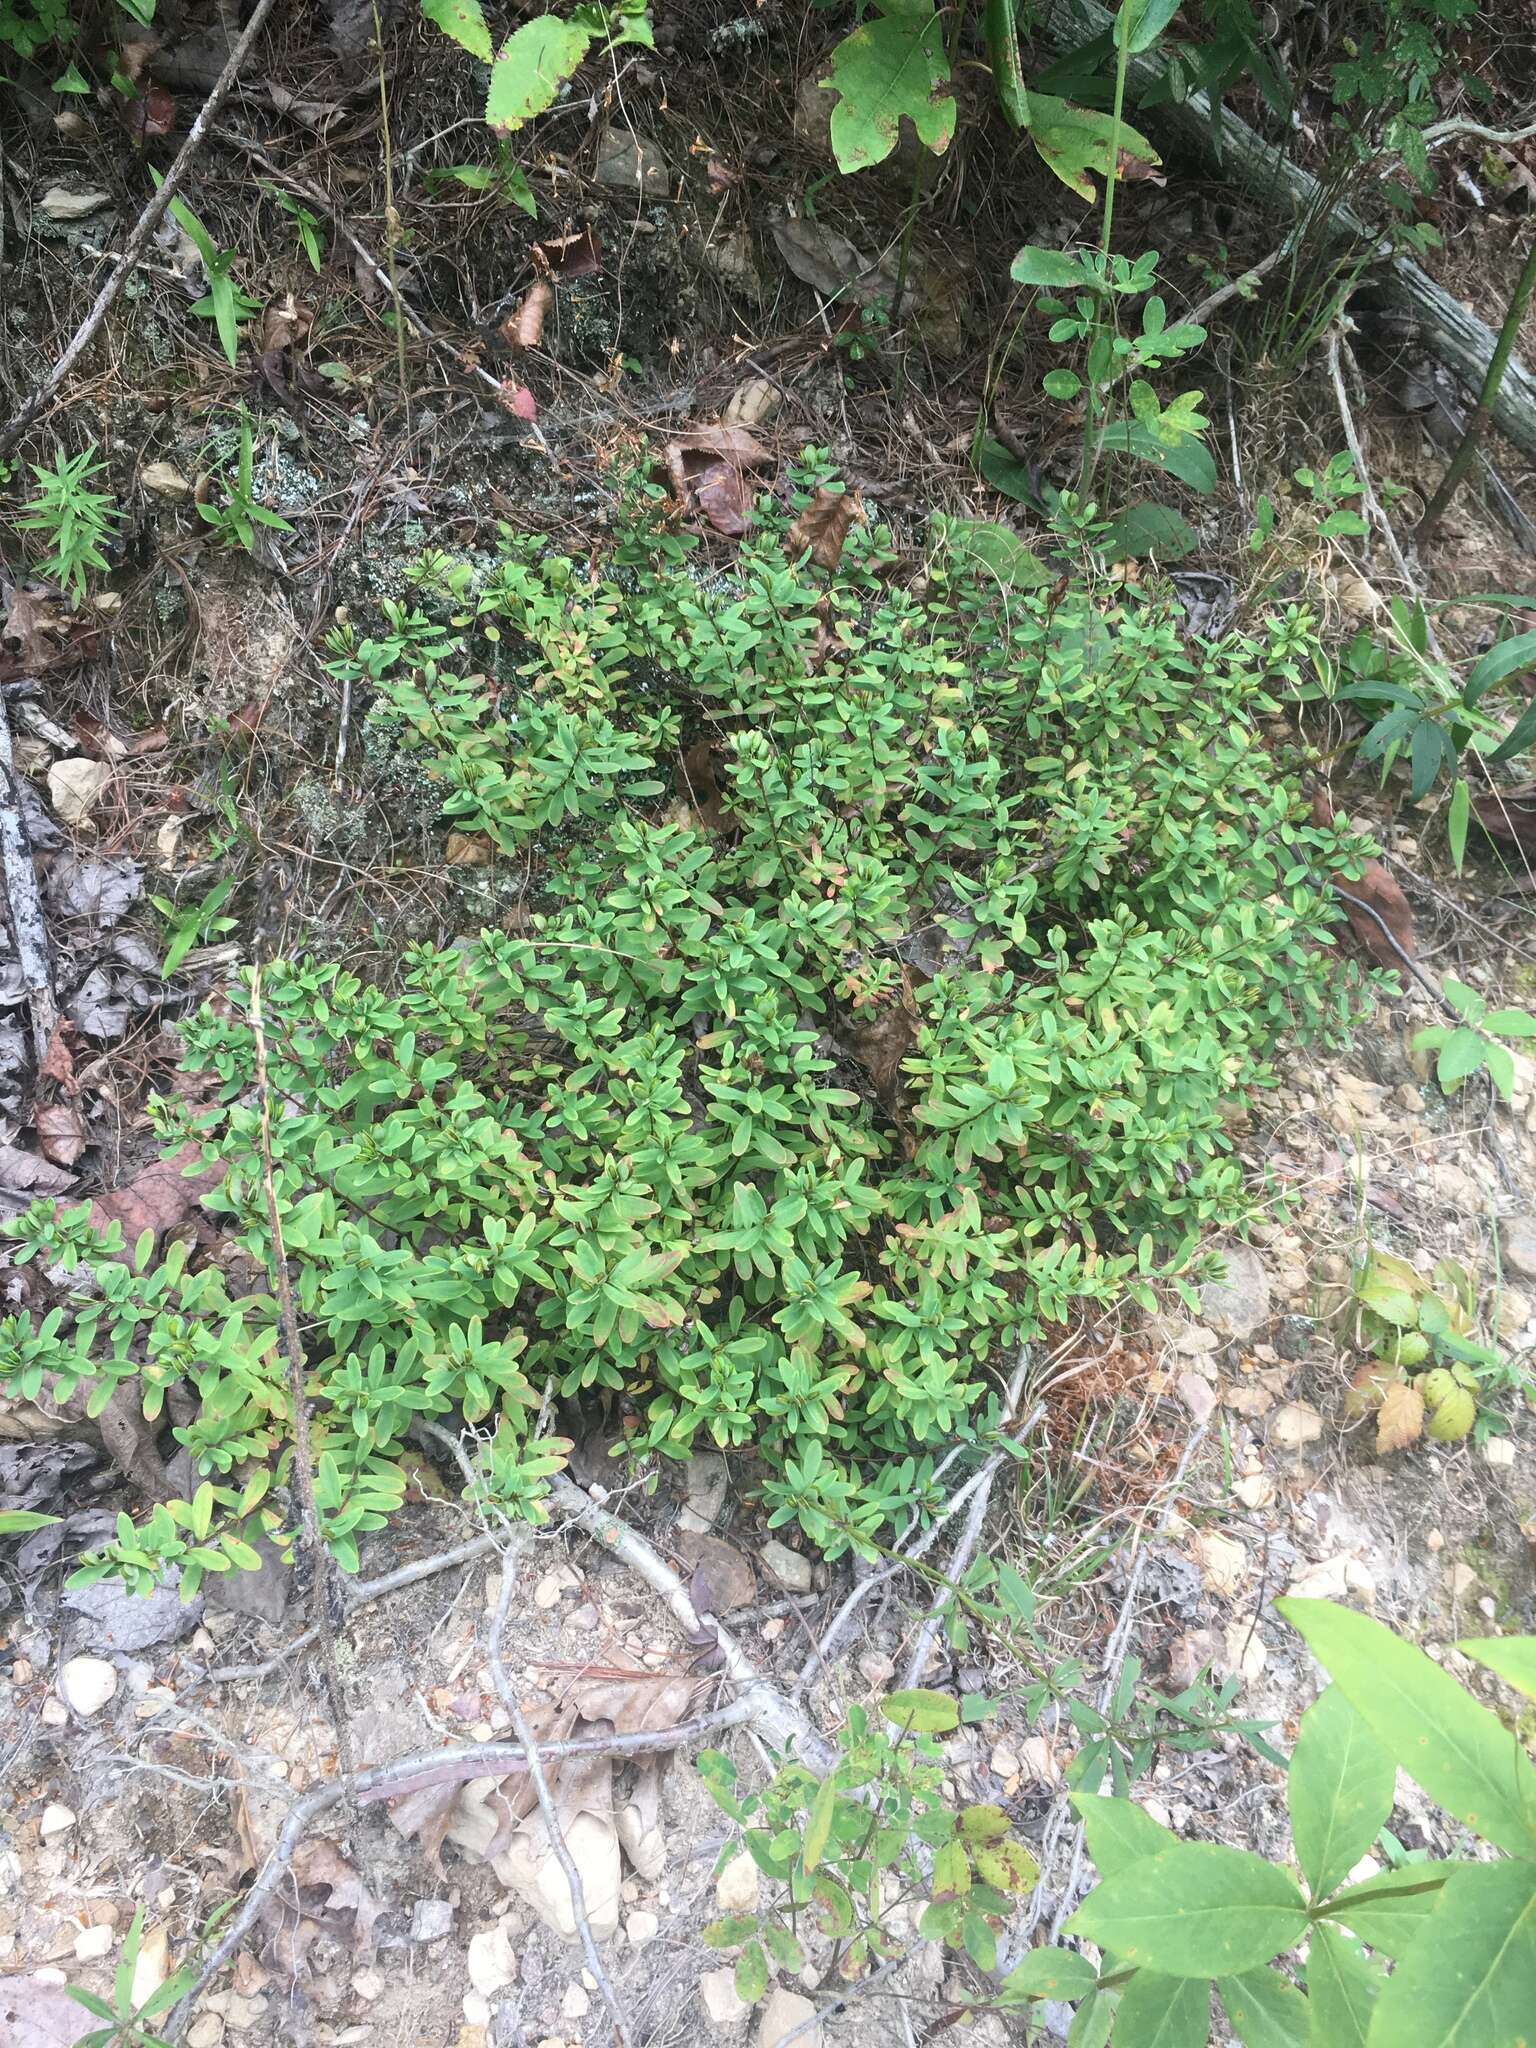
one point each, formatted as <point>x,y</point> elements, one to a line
<point>891,954</point>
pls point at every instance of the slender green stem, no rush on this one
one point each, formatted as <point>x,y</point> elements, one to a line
<point>1487,398</point>
<point>1095,423</point>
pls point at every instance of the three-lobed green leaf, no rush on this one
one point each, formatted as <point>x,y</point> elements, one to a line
<point>893,67</point>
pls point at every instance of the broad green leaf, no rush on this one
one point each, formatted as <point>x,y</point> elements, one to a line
<point>1164,2012</point>
<point>1459,1752</point>
<point>997,549</point>
<point>1456,821</point>
<point>980,1941</point>
<point>1339,1791</point>
<point>1121,1833</point>
<point>1005,473</point>
<point>1387,1293</point>
<point>1077,141</point>
<point>920,1708</point>
<point>1343,1986</point>
<point>1507,659</point>
<point>1189,460</point>
<point>818,1826</point>
<point>893,65</point>
<point>1470,1982</point>
<point>531,66</point>
<point>1148,529</point>
<point>1462,1054</point>
<point>1266,2011</point>
<point>1511,1023</point>
<point>1140,22</point>
<point>1002,33</point>
<point>1050,1973</point>
<point>1008,1866</point>
<point>1093,2019</point>
<point>751,1973</point>
<point>1512,1658</point>
<point>1500,1062</point>
<point>1053,268</point>
<point>464,20</point>
<point>1392,1910</point>
<point>1196,1910</point>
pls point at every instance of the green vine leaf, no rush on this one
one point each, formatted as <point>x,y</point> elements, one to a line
<point>890,68</point>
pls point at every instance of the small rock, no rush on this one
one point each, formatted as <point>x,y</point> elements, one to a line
<point>92,1943</point>
<point>1294,1424</point>
<point>164,479</point>
<point>59,203</point>
<point>431,1919</point>
<point>706,1480</point>
<point>1005,1761</point>
<point>736,1887</point>
<point>76,786</point>
<point>1334,1578</point>
<point>1243,1649</point>
<point>722,2007</point>
<point>243,2013</point>
<point>632,163</point>
<point>1411,1098</point>
<point>1461,1192</point>
<point>1237,1304</point>
<point>1499,1451</point>
<point>1256,1490</point>
<point>1461,1579</point>
<point>1517,1245</point>
<point>1198,1395</point>
<point>1038,1762</point>
<point>492,1965</point>
<point>877,1669</point>
<point>87,1683</point>
<point>368,1984</point>
<point>788,1567</point>
<point>206,2031</point>
<point>783,2012</point>
<point>56,1820</point>
<point>641,1928</point>
<point>547,1592</point>
<point>1434,1540</point>
<point>1514,1312</point>
<point>1293,1339</point>
<point>577,2002</point>
<point>1194,1340</point>
<point>1223,1563</point>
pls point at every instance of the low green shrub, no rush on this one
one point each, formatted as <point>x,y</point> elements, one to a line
<point>892,954</point>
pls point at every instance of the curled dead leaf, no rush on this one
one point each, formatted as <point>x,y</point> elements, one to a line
<point>1380,919</point>
<point>469,850</point>
<point>824,526</point>
<point>578,254</point>
<point>1509,816</point>
<point>525,327</point>
<point>708,468</point>
<point>60,1132</point>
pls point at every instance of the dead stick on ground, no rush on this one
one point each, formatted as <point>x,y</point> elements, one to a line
<point>28,925</point>
<point>303,1460</point>
<point>390,1781</point>
<point>138,241</point>
<point>547,1807</point>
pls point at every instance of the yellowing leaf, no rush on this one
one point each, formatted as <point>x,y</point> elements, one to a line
<point>893,66</point>
<point>1401,1421</point>
<point>464,21</point>
<point>1077,141</point>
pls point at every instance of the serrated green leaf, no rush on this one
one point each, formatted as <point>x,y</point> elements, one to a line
<point>891,67</point>
<point>1164,2012</point>
<point>1343,1986</point>
<point>1457,1751</point>
<point>1339,1790</point>
<point>1470,1982</point>
<point>531,66</point>
<point>1196,1910</point>
<point>1265,2010</point>
<point>464,20</point>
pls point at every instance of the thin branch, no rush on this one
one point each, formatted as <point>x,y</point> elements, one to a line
<point>1468,448</point>
<point>1336,351</point>
<point>303,1459</point>
<point>557,1841</point>
<point>1451,131</point>
<point>29,928</point>
<point>144,228</point>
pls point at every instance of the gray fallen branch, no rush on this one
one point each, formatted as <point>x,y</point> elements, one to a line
<point>138,241</point>
<point>28,927</point>
<point>557,1841</point>
<point>1238,154</point>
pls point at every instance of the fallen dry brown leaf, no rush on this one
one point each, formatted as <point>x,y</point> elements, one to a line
<point>525,327</point>
<point>708,468</point>
<point>1401,1420</point>
<point>579,254</point>
<point>1509,816</point>
<point>1377,911</point>
<point>699,786</point>
<point>824,526</point>
<point>60,1132</point>
<point>160,1197</point>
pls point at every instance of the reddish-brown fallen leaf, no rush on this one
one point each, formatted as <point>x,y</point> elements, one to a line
<point>319,1867</point>
<point>634,1701</point>
<point>160,1197</point>
<point>525,327</point>
<point>1377,911</point>
<point>1509,816</point>
<point>59,1060</point>
<point>517,399</point>
<point>1401,1420</point>
<point>824,526</point>
<point>60,1132</point>
<point>707,467</point>
<point>880,1043</point>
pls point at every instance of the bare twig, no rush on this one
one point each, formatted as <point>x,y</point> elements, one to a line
<point>27,923</point>
<point>1373,505</point>
<point>1452,131</point>
<point>970,1534</point>
<point>138,241</point>
<point>547,1807</point>
<point>303,1460</point>
<point>406,1774</point>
